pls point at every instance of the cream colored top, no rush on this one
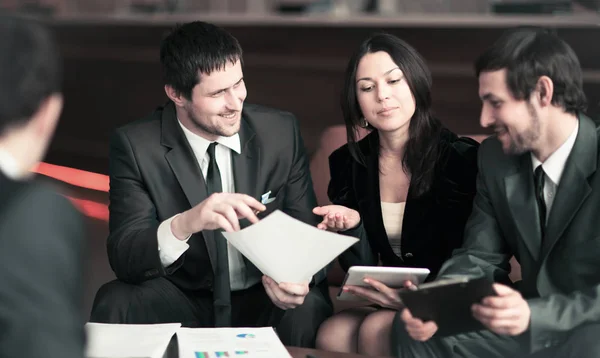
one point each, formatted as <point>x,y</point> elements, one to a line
<point>393,215</point>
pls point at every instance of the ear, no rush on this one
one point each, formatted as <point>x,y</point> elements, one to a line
<point>544,91</point>
<point>47,115</point>
<point>175,96</point>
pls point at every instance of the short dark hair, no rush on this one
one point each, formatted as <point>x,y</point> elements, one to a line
<point>422,149</point>
<point>30,69</point>
<point>193,48</point>
<point>527,53</point>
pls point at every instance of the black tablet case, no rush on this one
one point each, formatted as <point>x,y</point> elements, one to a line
<point>449,305</point>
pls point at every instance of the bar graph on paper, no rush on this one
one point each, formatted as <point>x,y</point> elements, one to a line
<point>230,343</point>
<point>221,354</point>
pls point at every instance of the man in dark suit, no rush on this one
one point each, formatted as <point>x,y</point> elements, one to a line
<point>538,198</point>
<point>192,168</point>
<point>41,233</point>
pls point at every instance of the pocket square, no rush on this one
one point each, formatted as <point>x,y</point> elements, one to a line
<point>265,197</point>
<point>268,201</point>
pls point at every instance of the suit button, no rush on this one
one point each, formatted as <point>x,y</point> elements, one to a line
<point>548,344</point>
<point>408,255</point>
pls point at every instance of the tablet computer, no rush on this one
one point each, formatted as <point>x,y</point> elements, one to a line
<point>448,303</point>
<point>393,277</point>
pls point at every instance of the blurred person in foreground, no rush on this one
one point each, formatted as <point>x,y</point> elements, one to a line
<point>538,198</point>
<point>41,233</point>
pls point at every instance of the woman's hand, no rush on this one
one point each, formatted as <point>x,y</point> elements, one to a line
<point>378,293</point>
<point>337,217</point>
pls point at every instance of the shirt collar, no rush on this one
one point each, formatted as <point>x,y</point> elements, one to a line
<point>555,164</point>
<point>10,166</point>
<point>232,142</point>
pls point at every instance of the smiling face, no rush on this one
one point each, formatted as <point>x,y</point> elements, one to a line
<point>515,122</point>
<point>215,107</point>
<point>383,94</point>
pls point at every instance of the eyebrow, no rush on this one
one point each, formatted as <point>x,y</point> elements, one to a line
<point>487,97</point>
<point>370,79</point>
<point>223,89</point>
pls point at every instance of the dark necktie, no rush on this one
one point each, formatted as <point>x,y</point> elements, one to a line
<point>222,290</point>
<point>539,179</point>
<point>213,175</point>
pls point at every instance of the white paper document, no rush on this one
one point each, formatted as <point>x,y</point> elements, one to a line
<point>230,342</point>
<point>128,340</point>
<point>286,249</point>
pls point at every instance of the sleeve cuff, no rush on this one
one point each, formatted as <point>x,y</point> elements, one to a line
<point>170,248</point>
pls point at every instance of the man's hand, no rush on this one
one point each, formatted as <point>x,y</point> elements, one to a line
<point>416,328</point>
<point>337,217</point>
<point>220,210</point>
<point>508,313</point>
<point>378,293</point>
<point>285,295</point>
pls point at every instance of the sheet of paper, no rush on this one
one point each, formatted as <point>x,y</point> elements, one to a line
<point>128,340</point>
<point>286,249</point>
<point>230,342</point>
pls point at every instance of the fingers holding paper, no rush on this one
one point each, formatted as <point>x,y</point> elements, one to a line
<point>285,295</point>
<point>218,211</point>
<point>508,313</point>
<point>337,217</point>
<point>377,293</point>
<point>416,328</point>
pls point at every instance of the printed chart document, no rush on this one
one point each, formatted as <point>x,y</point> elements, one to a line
<point>230,342</point>
<point>286,249</point>
<point>128,340</point>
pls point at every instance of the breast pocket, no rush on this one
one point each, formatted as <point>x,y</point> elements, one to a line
<point>273,203</point>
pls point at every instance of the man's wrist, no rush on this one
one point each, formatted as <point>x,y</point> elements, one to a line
<point>178,227</point>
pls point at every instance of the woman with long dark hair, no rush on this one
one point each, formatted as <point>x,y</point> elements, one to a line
<point>406,189</point>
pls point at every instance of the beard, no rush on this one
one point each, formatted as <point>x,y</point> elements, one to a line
<point>213,130</point>
<point>523,142</point>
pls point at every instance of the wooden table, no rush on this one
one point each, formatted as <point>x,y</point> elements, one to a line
<point>303,352</point>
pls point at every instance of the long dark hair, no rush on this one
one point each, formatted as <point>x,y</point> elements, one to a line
<point>422,149</point>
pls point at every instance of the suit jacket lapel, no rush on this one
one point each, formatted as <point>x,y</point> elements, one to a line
<point>520,196</point>
<point>185,166</point>
<point>574,187</point>
<point>245,169</point>
<point>368,192</point>
<point>246,164</point>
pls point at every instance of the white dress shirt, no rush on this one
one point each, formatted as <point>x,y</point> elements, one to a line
<point>170,248</point>
<point>554,167</point>
<point>9,166</point>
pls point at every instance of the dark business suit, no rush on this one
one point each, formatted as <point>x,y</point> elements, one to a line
<point>41,249</point>
<point>560,274</point>
<point>433,222</point>
<point>155,175</point>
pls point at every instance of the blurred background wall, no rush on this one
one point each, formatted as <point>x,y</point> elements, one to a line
<point>295,55</point>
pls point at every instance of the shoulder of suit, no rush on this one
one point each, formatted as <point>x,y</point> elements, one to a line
<point>259,114</point>
<point>146,124</point>
<point>23,193</point>
<point>458,159</point>
<point>341,154</point>
<point>458,145</point>
<point>491,147</point>
<point>493,159</point>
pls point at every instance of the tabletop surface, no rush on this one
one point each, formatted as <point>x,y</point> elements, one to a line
<point>297,352</point>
